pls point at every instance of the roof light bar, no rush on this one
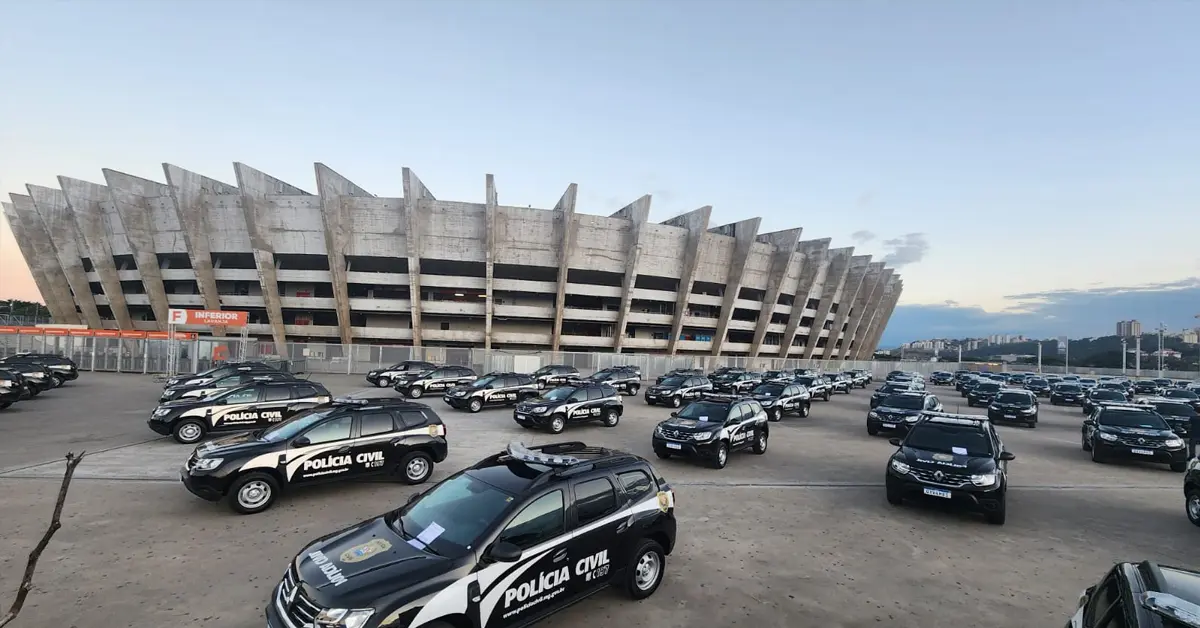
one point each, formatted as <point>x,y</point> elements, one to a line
<point>518,451</point>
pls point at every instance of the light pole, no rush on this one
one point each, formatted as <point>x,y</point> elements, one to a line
<point>1137,356</point>
<point>1161,328</point>
<point>1124,353</point>
<point>1039,356</point>
<point>960,351</point>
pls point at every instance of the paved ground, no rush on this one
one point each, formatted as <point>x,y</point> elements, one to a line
<point>800,536</point>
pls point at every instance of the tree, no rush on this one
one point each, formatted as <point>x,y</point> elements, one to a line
<point>27,309</point>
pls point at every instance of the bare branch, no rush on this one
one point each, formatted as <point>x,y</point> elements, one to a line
<point>27,581</point>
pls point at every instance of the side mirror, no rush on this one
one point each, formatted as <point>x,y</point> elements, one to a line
<point>1007,455</point>
<point>1088,422</point>
<point>674,414</point>
<point>503,552</point>
<point>301,442</point>
<point>894,441</point>
<point>412,498</point>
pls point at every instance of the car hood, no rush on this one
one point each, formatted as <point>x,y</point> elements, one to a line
<point>691,425</point>
<point>662,389</point>
<point>527,406</point>
<point>765,399</point>
<point>346,568</point>
<point>183,402</point>
<point>950,463</point>
<point>889,411</point>
<point>984,393</point>
<point>1136,431</point>
<point>231,446</point>
<point>458,389</point>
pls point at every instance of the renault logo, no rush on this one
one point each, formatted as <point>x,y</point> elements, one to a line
<point>1141,441</point>
<point>939,476</point>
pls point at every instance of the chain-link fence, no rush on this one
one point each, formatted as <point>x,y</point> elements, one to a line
<point>152,356</point>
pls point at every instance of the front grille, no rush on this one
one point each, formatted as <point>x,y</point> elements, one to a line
<point>948,479</point>
<point>191,461</point>
<point>297,607</point>
<point>676,434</point>
<point>1132,441</point>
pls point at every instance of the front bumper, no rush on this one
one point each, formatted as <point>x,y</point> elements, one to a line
<point>204,486</point>
<point>1068,399</point>
<point>372,379</point>
<point>10,395</point>
<point>1126,452</point>
<point>979,499</point>
<point>692,449</point>
<point>159,426</point>
<point>525,419</point>
<point>458,403</point>
<point>883,424</point>
<point>1001,416</point>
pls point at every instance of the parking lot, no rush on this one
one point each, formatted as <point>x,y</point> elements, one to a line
<point>801,536</point>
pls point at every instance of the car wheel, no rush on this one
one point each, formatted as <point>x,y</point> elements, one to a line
<point>1192,503</point>
<point>253,493</point>
<point>872,430</point>
<point>676,401</point>
<point>722,456</point>
<point>189,432</point>
<point>58,380</point>
<point>760,445</point>
<point>415,392</point>
<point>645,570</point>
<point>1085,443</point>
<point>633,390</point>
<point>775,415</point>
<point>662,454</point>
<point>34,390</point>
<point>1031,424</point>
<point>611,417</point>
<point>805,409</point>
<point>558,423</point>
<point>895,496</point>
<point>1096,456</point>
<point>826,395</point>
<point>475,405</point>
<point>996,517</point>
<point>416,467</point>
<point>5,404</point>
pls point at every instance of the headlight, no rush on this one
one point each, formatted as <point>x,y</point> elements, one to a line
<point>35,374</point>
<point>702,436</point>
<point>343,618</point>
<point>900,467</point>
<point>872,415</point>
<point>984,479</point>
<point>658,430</point>
<point>541,410</point>
<point>911,419</point>
<point>1028,410</point>
<point>207,464</point>
<point>1107,436</point>
<point>162,412</point>
<point>1173,443</point>
<point>994,407</point>
<point>5,382</point>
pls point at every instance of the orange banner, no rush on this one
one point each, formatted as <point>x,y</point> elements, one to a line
<point>214,318</point>
<point>96,333</point>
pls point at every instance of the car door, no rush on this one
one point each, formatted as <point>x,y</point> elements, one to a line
<point>439,380</point>
<point>577,405</point>
<point>236,409</point>
<point>274,405</point>
<point>595,532</point>
<point>514,594</point>
<point>595,403</point>
<point>323,452</point>
<point>504,390</point>
<point>787,398</point>
<point>373,451</point>
<point>735,426</point>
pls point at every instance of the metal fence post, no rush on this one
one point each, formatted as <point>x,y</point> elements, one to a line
<point>145,356</point>
<point>196,355</point>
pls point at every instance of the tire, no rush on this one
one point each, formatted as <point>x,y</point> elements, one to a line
<point>558,423</point>
<point>722,458</point>
<point>646,569</point>
<point>1084,442</point>
<point>384,382</point>
<point>611,418</point>
<point>189,432</point>
<point>1178,467</point>
<point>895,496</point>
<point>415,468</point>
<point>5,404</point>
<point>633,390</point>
<point>1096,457</point>
<point>58,380</point>
<point>760,443</point>
<point>872,431</point>
<point>1192,505</point>
<point>415,392</point>
<point>1031,424</point>
<point>34,391</point>
<point>827,395</point>
<point>996,517</point>
<point>775,415</point>
<point>662,454</point>
<point>253,493</point>
<point>805,409</point>
<point>475,404</point>
<point>676,401</point>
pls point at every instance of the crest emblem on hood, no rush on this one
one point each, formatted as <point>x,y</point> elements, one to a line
<point>359,553</point>
<point>943,457</point>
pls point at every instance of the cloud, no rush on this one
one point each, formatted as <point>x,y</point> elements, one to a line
<point>862,237</point>
<point>907,249</point>
<point>1077,313</point>
<point>951,303</point>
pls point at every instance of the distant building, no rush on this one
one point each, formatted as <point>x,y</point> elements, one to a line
<point>1190,336</point>
<point>1062,344</point>
<point>1129,329</point>
<point>1168,353</point>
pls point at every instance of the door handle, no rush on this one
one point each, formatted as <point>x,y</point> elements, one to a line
<point>625,525</point>
<point>344,450</point>
<point>396,442</point>
<point>560,555</point>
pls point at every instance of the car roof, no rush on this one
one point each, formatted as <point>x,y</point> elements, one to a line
<point>520,468</point>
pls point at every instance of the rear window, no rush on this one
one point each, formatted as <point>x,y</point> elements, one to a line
<point>1068,388</point>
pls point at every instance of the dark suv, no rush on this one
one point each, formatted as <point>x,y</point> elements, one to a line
<point>1066,392</point>
<point>1141,595</point>
<point>1096,396</point>
<point>1132,432</point>
<point>711,429</point>
<point>496,389</point>
<point>555,409</point>
<point>1014,406</point>
<point>983,393</point>
<point>899,411</point>
<point>249,407</point>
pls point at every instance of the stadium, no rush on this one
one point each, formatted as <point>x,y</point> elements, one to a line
<point>342,265</point>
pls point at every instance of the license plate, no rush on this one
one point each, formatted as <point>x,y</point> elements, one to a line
<point>674,446</point>
<point>1142,452</point>
<point>652,396</point>
<point>522,416</point>
<point>1010,416</point>
<point>890,426</point>
<point>937,492</point>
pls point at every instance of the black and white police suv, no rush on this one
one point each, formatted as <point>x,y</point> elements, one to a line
<point>341,440</point>
<point>249,407</point>
<point>586,401</point>
<point>626,380</point>
<point>1176,412</point>
<point>738,383</point>
<point>679,372</point>
<point>712,428</point>
<point>35,377</point>
<point>859,377</point>
<point>951,457</point>
<point>1014,405</point>
<point>780,398</point>
<point>554,375</point>
<point>1141,595</point>
<point>495,389</point>
<point>62,369</point>
<point>676,390</point>
<point>899,411</point>
<point>385,377</point>
<point>818,385</point>
<point>839,382</point>
<point>505,543</point>
<point>244,375</point>
<point>1132,432</point>
<point>890,388</point>
<point>12,387</point>
<point>416,383</point>
<point>216,372</point>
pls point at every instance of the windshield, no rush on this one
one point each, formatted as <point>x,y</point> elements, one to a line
<point>1068,388</point>
<point>602,376</point>
<point>904,402</point>
<point>293,426</point>
<point>452,515</point>
<point>807,381</point>
<point>1132,418</point>
<point>988,387</point>
<point>704,411</point>
<point>482,382</point>
<point>1014,398</point>
<point>559,394</point>
<point>773,390</point>
<point>1107,395</point>
<point>1035,381</point>
<point>1179,393</point>
<point>949,439</point>
<point>1087,381</point>
<point>1175,409</point>
<point>1164,382</point>
<point>673,381</point>
<point>545,370</point>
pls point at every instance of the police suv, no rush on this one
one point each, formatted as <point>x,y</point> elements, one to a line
<point>890,388</point>
<point>674,391</point>
<point>839,382</point>
<point>780,398</point>
<point>12,387</point>
<point>859,377</point>
<point>712,428</point>
<point>243,375</point>
<point>216,372</point>
<point>1141,595</point>
<point>385,377</point>
<point>899,411</point>
<point>249,407</point>
<point>679,372</point>
<point>341,440</point>
<point>554,375</point>
<point>1128,431</point>
<point>505,543</point>
<point>953,458</point>
<point>494,389</point>
<point>738,383</point>
<point>818,385</point>
<point>62,369</point>
<point>585,401</point>
<point>35,377</point>
<point>416,383</point>
<point>625,379</point>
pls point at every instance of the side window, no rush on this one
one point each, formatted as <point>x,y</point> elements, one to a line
<point>595,393</point>
<point>736,413</point>
<point>523,380</point>
<point>329,431</point>
<point>438,373</point>
<point>608,391</point>
<point>579,395</point>
<point>411,418</point>
<point>277,393</point>
<point>637,484</point>
<point>372,423</point>
<point>246,395</point>
<point>464,372</point>
<point>304,391</point>
<point>594,499</point>
<point>539,522</point>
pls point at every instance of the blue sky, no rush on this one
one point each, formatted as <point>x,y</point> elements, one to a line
<point>1002,148</point>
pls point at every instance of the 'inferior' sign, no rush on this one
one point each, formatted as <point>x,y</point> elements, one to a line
<point>216,318</point>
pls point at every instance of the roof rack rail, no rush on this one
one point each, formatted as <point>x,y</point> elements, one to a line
<point>953,417</point>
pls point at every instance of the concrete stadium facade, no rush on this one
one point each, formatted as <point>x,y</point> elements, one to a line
<point>344,265</point>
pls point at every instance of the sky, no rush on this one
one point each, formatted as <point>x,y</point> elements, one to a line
<point>1028,167</point>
